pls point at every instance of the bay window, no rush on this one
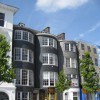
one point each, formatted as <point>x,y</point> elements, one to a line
<point>47,41</point>
<point>24,96</point>
<point>24,77</point>
<point>49,78</point>
<point>49,58</point>
<point>22,54</point>
<point>23,35</point>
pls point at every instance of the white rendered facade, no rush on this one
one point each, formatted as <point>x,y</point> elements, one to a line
<point>7,90</point>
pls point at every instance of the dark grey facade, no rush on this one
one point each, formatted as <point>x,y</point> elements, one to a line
<point>68,61</point>
<point>35,55</point>
<point>25,66</point>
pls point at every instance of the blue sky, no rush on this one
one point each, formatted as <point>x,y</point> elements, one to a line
<point>79,19</point>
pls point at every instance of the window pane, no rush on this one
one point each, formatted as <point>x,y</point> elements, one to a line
<point>18,96</point>
<point>24,54</point>
<point>50,42</point>
<point>44,41</point>
<point>45,78</point>
<point>67,47</point>
<point>2,19</point>
<point>72,47</point>
<point>55,44</point>
<point>17,54</point>
<point>51,59</point>
<point>17,76</point>
<point>24,95</point>
<point>82,46</point>
<point>24,77</point>
<point>30,56</point>
<point>30,37</point>
<point>30,96</point>
<point>31,77</point>
<point>75,96</point>
<point>89,49</point>
<point>94,49</point>
<point>51,78</point>
<point>25,35</point>
<point>67,62</point>
<point>17,34</point>
<point>96,62</point>
<point>69,76</point>
<point>56,76</point>
<point>73,61</point>
<point>45,58</point>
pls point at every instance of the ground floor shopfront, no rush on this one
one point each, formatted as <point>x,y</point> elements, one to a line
<point>71,94</point>
<point>45,94</point>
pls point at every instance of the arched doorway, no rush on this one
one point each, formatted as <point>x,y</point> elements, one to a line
<point>3,96</point>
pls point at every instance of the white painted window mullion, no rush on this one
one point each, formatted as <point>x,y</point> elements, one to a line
<point>48,58</point>
<point>28,77</point>
<point>20,95</point>
<point>20,76</point>
<point>21,54</point>
<point>48,41</point>
<point>28,55</point>
<point>49,77</point>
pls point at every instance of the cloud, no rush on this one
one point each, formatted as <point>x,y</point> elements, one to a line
<point>93,28</point>
<point>81,35</point>
<point>55,5</point>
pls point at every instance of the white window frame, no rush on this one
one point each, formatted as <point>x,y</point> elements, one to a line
<point>71,62</point>
<point>55,78</point>
<point>71,47</point>
<point>27,97</point>
<point>49,55</point>
<point>21,55</point>
<point>29,34</point>
<point>54,42</point>
<point>16,57</point>
<point>20,78</point>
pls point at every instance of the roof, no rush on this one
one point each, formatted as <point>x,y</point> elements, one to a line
<point>8,7</point>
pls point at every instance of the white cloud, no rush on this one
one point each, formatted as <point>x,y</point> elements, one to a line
<point>93,28</point>
<point>81,35</point>
<point>55,5</point>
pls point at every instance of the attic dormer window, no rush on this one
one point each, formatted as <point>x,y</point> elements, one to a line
<point>2,15</point>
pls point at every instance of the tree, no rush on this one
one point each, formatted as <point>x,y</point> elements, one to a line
<point>63,83</point>
<point>6,70</point>
<point>89,75</point>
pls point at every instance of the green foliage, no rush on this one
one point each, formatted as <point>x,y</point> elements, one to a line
<point>63,83</point>
<point>89,74</point>
<point>6,70</point>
